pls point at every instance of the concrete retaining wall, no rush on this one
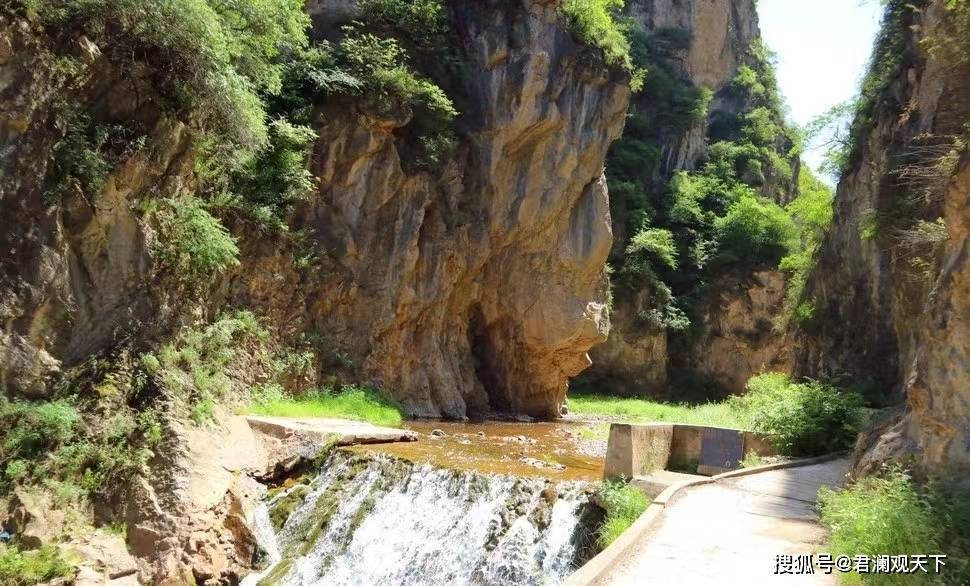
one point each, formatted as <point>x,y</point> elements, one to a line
<point>638,450</point>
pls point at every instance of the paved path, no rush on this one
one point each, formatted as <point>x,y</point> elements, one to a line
<point>729,532</point>
<point>320,430</point>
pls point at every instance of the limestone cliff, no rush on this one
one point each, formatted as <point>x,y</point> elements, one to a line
<point>477,285</point>
<point>696,47</point>
<point>891,284</point>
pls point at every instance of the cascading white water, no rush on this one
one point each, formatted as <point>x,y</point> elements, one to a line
<point>369,520</point>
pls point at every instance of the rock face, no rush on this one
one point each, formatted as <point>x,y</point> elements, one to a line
<point>891,305</point>
<point>721,33</point>
<point>453,308</point>
<point>638,357</point>
<point>478,286</point>
<point>741,334</point>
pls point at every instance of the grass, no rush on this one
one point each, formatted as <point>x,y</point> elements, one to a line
<point>623,504</point>
<point>19,568</point>
<point>714,414</point>
<point>891,515</point>
<point>752,460</point>
<point>356,403</point>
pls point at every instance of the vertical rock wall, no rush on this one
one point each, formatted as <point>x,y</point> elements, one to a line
<point>636,358</point>
<point>880,316</point>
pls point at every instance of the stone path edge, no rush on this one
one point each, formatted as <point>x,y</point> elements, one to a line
<point>597,569</point>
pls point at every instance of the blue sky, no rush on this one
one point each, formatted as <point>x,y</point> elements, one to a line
<point>823,47</point>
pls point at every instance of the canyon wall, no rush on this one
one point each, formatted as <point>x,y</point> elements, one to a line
<point>477,285</point>
<point>640,358</point>
<point>890,288</point>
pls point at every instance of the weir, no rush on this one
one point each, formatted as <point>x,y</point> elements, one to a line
<point>375,519</point>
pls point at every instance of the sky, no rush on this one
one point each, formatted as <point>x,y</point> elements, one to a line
<point>823,47</point>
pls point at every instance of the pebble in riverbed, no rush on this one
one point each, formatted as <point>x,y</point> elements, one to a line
<point>545,465</point>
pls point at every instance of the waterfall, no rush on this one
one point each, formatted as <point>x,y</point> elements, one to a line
<point>373,519</point>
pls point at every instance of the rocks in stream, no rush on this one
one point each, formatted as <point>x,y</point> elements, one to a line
<point>542,464</point>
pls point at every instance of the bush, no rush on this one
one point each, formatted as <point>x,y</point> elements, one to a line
<point>33,430</point>
<point>623,504</point>
<point>380,64</point>
<point>424,22</point>
<point>192,243</point>
<point>812,213</point>
<point>755,229</point>
<point>656,245</point>
<point>890,515</point>
<point>803,419</point>
<point>212,58</point>
<point>595,23</point>
<point>50,442</point>
<point>274,180</point>
<point>195,365</point>
<point>32,567</point>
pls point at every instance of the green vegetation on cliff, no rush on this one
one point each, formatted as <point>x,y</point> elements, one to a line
<point>597,23</point>
<point>75,445</point>
<point>249,83</point>
<point>812,212</point>
<point>684,228</point>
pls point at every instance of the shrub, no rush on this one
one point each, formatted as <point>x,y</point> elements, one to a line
<point>755,229</point>
<point>803,419</point>
<point>33,430</point>
<point>595,23</point>
<point>656,244</point>
<point>192,243</point>
<point>424,22</point>
<point>812,213</point>
<point>19,568</point>
<point>52,443</point>
<point>890,515</point>
<point>623,505</point>
<point>275,179</point>
<point>195,365</point>
<point>212,58</point>
<point>380,64</point>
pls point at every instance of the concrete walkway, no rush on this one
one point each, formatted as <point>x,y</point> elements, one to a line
<point>729,532</point>
<point>319,430</point>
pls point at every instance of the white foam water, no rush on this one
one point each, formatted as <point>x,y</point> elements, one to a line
<point>371,520</point>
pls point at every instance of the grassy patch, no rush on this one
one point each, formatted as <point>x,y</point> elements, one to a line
<point>595,432</point>
<point>890,515</point>
<point>714,414</point>
<point>350,403</point>
<point>752,460</point>
<point>623,504</point>
<point>19,568</point>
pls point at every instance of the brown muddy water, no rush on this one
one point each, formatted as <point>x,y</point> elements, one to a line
<point>561,451</point>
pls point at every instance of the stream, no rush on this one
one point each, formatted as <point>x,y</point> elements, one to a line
<point>478,504</point>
